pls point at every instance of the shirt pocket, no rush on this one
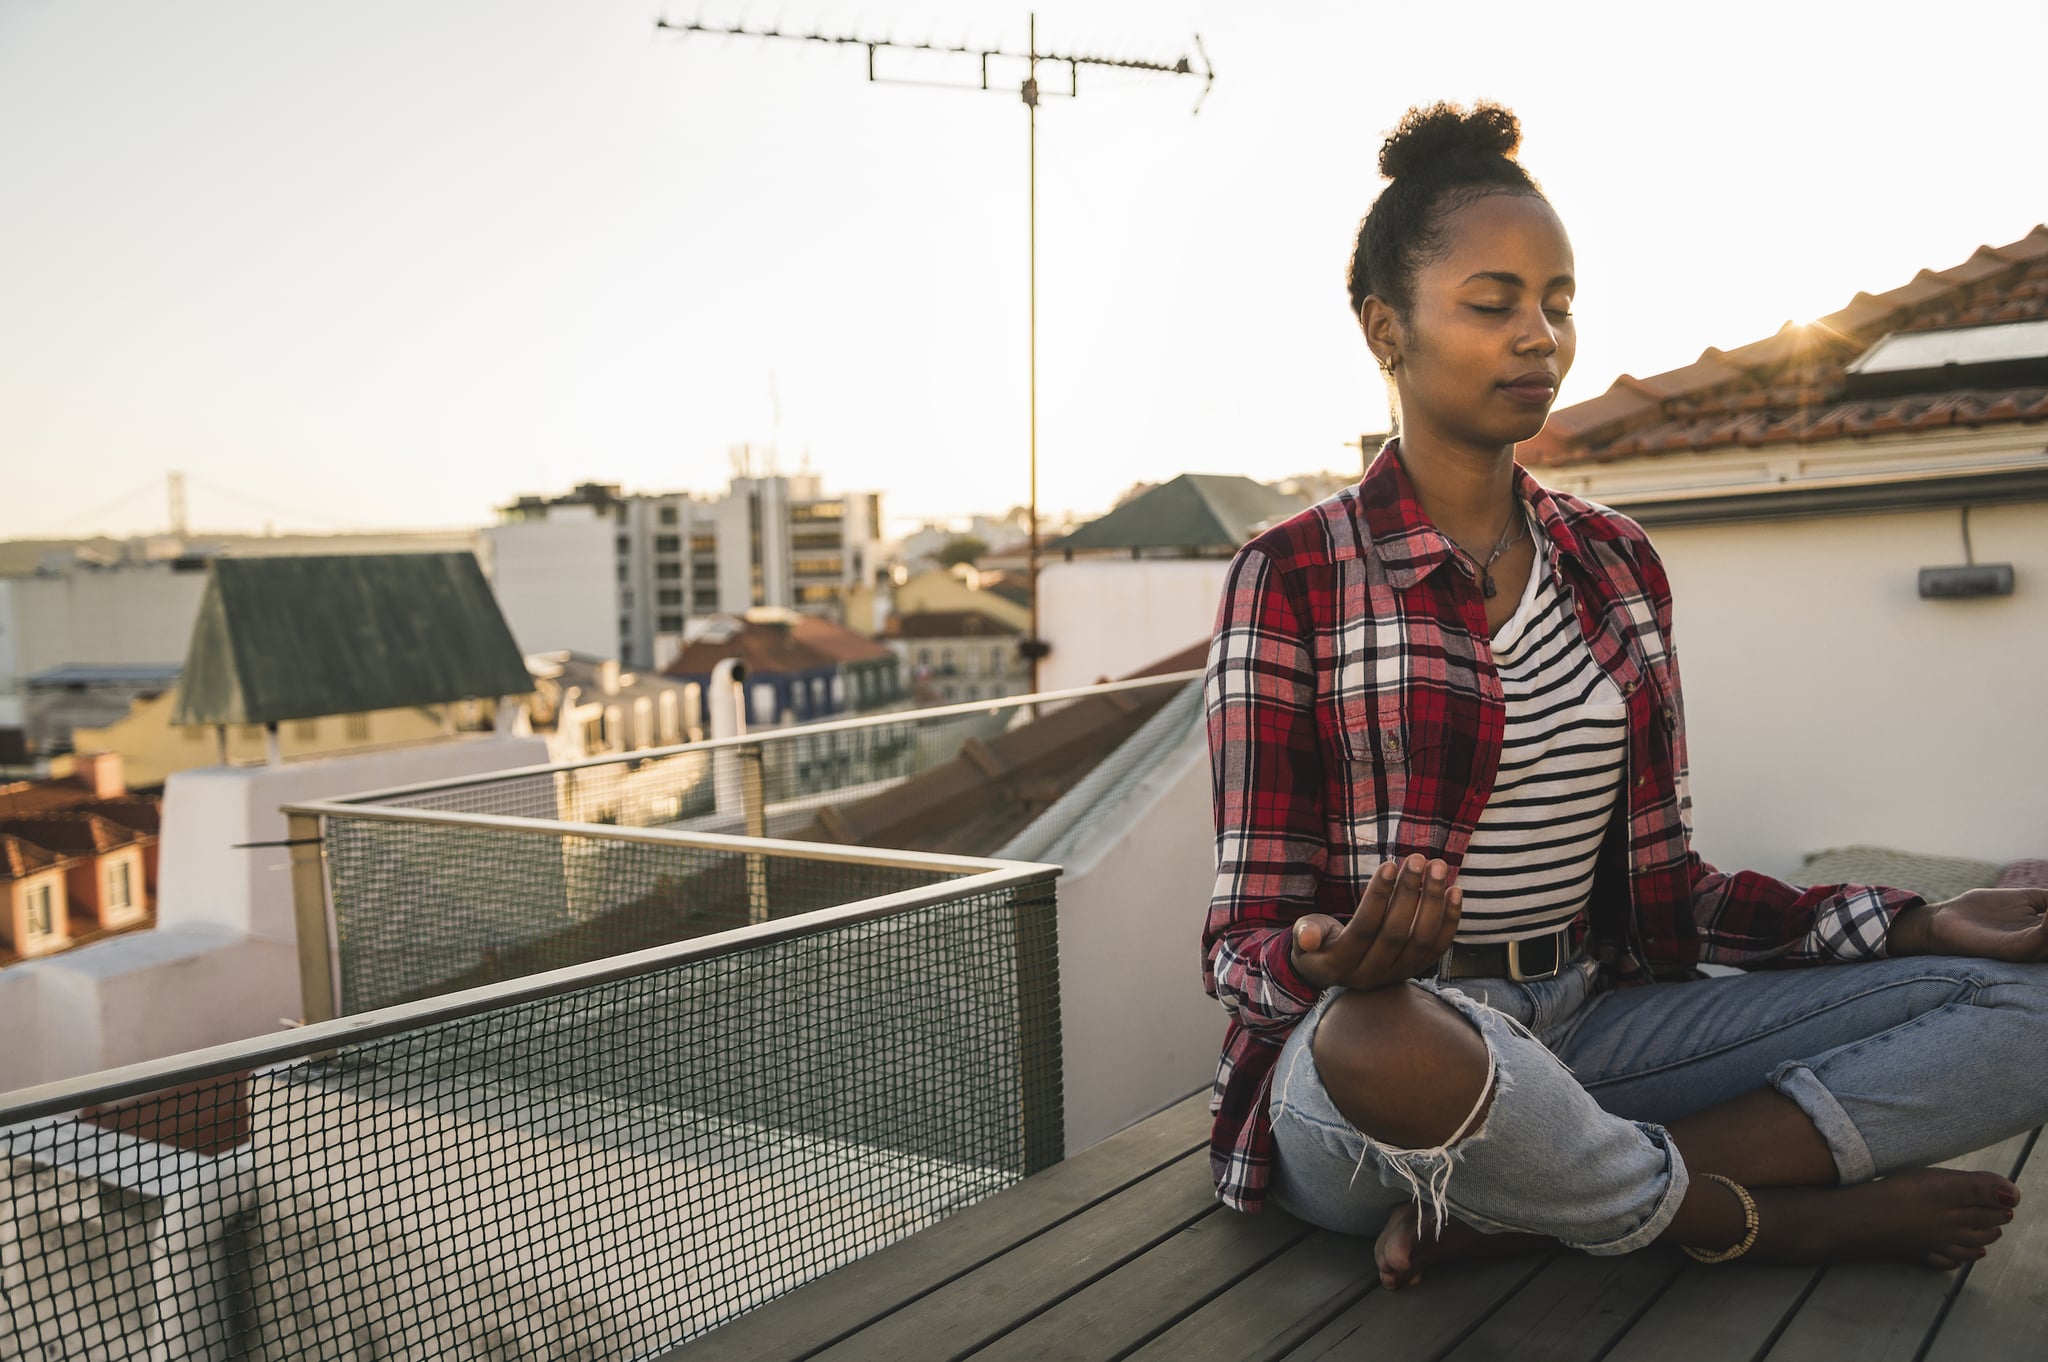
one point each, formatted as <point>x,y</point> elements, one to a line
<point>1385,733</point>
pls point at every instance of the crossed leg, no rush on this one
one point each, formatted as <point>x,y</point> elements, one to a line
<point>1407,1069</point>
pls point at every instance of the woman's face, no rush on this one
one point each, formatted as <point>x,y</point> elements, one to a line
<point>1490,336</point>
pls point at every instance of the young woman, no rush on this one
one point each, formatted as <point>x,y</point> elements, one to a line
<point>1457,914</point>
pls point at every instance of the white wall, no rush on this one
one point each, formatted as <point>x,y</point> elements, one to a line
<point>1137,1031</point>
<point>204,880</point>
<point>557,581</point>
<point>222,962</point>
<point>1827,704</point>
<point>114,616</point>
<point>1108,617</point>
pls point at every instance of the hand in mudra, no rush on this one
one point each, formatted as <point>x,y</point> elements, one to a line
<point>1404,924</point>
<point>1990,924</point>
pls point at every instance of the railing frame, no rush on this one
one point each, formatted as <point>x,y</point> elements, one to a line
<point>316,1038</point>
<point>900,716</point>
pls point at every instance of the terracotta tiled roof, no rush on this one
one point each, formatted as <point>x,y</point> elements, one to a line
<point>767,652</point>
<point>25,798</point>
<point>70,833</point>
<point>1792,388</point>
<point>836,641</point>
<point>20,859</point>
<point>949,624</point>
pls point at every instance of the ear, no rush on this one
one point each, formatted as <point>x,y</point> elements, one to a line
<point>1384,334</point>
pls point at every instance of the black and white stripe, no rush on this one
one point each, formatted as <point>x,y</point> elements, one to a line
<point>1530,863</point>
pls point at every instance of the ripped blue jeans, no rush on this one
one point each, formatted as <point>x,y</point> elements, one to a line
<point>1898,1063</point>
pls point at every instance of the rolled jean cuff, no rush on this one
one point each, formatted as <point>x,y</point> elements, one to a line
<point>1677,1180</point>
<point>1798,1081</point>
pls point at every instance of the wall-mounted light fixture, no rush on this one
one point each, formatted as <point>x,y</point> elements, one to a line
<point>1972,579</point>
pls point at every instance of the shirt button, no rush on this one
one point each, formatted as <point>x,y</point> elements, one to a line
<point>1390,743</point>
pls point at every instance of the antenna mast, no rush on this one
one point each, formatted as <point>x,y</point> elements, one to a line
<point>1034,647</point>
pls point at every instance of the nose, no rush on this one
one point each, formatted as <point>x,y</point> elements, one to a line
<point>1538,337</point>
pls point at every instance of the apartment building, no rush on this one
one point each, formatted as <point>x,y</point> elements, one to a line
<point>78,858</point>
<point>774,540</point>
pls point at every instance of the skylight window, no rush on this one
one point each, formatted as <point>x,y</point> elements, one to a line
<point>2000,355</point>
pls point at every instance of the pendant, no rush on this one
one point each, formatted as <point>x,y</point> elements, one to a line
<point>1487,588</point>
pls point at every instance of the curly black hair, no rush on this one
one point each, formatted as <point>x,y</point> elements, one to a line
<point>1439,159</point>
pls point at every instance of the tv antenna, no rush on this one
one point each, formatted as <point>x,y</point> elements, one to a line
<point>1034,647</point>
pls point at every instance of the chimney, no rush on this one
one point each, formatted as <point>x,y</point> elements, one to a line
<point>102,773</point>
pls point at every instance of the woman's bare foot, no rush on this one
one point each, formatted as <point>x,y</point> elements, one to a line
<point>1939,1217</point>
<point>1402,1252</point>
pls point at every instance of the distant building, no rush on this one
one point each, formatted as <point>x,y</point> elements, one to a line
<point>78,859</point>
<point>776,541</point>
<point>276,643</point>
<point>86,639</point>
<point>1004,534</point>
<point>1196,515</point>
<point>36,918</point>
<point>799,667</point>
<point>154,748</point>
<point>1142,582</point>
<point>59,702</point>
<point>554,571</point>
<point>959,655</point>
<point>88,626</point>
<point>586,706</point>
<point>1002,596</point>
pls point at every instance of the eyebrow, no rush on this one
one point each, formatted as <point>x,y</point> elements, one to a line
<point>1503,277</point>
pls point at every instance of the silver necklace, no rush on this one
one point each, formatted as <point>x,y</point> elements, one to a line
<point>1516,524</point>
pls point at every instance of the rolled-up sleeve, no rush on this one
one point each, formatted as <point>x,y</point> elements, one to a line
<point>1266,767</point>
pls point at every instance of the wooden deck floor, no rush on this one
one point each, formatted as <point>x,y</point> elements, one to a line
<point>1122,1252</point>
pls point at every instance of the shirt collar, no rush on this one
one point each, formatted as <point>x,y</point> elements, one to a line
<point>1410,547</point>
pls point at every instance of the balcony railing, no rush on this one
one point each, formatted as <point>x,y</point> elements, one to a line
<point>600,1160</point>
<point>413,905</point>
<point>608,1074</point>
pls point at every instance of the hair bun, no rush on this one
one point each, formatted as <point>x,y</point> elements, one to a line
<point>1438,137</point>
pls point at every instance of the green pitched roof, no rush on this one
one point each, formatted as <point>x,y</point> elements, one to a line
<point>1194,511</point>
<point>299,638</point>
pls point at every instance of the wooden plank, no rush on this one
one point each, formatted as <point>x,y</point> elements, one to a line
<point>1275,1309</point>
<point>974,1310</point>
<point>815,1315</point>
<point>1421,1322</point>
<point>1572,1310</point>
<point>1710,1314</point>
<point>1882,1312</point>
<point>1117,1313</point>
<point>2002,1309</point>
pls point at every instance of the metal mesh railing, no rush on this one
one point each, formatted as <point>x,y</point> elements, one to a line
<point>601,1162</point>
<point>702,786</point>
<point>455,899</point>
<point>429,907</point>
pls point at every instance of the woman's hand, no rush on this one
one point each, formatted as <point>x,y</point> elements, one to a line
<point>1990,924</point>
<point>1403,924</point>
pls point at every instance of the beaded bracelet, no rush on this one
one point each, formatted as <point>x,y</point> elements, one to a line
<point>1750,1222</point>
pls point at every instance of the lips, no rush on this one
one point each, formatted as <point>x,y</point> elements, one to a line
<point>1535,388</point>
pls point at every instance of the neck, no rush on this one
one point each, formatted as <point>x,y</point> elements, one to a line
<point>1469,494</point>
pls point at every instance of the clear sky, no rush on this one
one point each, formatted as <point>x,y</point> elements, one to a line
<point>389,263</point>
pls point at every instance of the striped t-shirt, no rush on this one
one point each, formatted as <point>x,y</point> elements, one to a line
<point>1529,867</point>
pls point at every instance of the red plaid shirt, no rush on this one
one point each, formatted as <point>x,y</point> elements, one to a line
<point>1355,716</point>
